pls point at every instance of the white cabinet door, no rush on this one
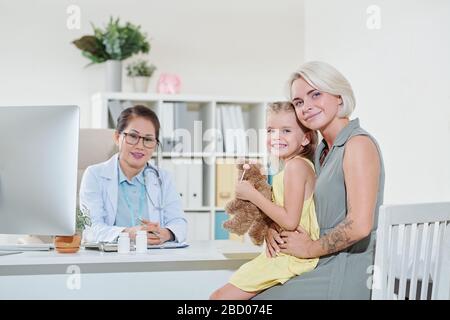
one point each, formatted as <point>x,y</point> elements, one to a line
<point>198,226</point>
<point>195,183</point>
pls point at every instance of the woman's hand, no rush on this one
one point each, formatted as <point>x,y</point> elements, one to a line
<point>156,234</point>
<point>297,243</point>
<point>245,190</point>
<point>272,240</point>
<point>163,236</point>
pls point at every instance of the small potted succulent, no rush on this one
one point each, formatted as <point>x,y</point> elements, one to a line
<point>71,244</point>
<point>140,71</point>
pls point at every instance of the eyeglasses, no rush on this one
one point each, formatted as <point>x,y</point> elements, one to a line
<point>133,139</point>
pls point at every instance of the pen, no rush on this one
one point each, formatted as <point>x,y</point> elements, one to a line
<point>155,233</point>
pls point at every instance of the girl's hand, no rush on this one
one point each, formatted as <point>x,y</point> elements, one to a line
<point>245,190</point>
<point>297,243</point>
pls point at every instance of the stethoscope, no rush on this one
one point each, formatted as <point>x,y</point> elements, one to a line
<point>155,171</point>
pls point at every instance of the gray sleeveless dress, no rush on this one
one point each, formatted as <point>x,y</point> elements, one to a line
<point>346,274</point>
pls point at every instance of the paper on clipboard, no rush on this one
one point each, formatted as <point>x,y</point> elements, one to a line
<point>168,245</point>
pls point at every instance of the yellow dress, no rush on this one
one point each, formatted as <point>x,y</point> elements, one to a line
<point>263,272</point>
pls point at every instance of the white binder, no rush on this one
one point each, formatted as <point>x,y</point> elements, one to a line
<point>188,179</point>
<point>240,129</point>
<point>198,226</point>
<point>181,179</point>
<point>178,178</point>
<point>195,182</point>
<point>167,126</point>
<point>219,131</point>
<point>227,127</point>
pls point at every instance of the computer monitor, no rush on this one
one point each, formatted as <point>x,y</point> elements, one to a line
<point>38,169</point>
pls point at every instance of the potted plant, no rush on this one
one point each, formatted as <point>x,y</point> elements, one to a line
<point>71,244</point>
<point>140,72</point>
<point>112,45</point>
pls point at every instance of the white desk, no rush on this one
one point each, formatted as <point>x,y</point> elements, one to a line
<point>186,273</point>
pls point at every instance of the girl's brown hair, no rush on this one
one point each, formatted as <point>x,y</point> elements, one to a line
<point>286,106</point>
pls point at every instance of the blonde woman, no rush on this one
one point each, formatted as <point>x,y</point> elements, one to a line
<point>349,190</point>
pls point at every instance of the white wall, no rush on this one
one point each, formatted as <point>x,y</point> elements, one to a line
<point>233,47</point>
<point>401,78</point>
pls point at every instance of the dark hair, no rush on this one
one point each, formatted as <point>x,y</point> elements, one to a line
<point>286,106</point>
<point>137,111</point>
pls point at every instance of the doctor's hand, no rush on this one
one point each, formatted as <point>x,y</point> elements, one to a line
<point>164,235</point>
<point>156,234</point>
<point>133,230</point>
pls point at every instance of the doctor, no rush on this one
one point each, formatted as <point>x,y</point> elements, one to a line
<point>127,193</point>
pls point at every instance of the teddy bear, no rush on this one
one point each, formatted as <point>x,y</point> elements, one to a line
<point>246,217</point>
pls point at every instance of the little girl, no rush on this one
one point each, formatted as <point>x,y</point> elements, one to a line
<point>293,204</point>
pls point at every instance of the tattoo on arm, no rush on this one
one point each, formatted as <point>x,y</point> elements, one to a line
<point>338,238</point>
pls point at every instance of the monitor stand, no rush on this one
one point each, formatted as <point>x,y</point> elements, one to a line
<point>26,247</point>
<point>5,253</point>
<point>28,243</point>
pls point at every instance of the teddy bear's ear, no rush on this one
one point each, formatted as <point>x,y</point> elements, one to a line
<point>259,169</point>
<point>252,171</point>
<point>255,167</point>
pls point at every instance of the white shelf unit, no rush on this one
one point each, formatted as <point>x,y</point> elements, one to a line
<point>201,218</point>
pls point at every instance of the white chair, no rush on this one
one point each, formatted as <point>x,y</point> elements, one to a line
<point>412,254</point>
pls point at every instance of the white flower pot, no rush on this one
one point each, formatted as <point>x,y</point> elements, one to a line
<point>113,76</point>
<point>140,84</point>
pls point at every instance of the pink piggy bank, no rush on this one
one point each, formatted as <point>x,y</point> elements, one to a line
<point>168,83</point>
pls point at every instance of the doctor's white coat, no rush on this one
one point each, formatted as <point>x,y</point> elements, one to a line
<point>99,192</point>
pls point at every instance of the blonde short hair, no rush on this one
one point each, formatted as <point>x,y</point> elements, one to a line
<point>326,78</point>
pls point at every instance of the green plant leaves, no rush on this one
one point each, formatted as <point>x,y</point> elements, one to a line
<point>116,42</point>
<point>82,220</point>
<point>140,68</point>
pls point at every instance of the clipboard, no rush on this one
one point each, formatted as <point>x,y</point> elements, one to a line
<point>168,245</point>
<point>112,246</point>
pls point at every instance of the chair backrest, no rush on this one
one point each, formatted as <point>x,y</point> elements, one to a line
<point>412,252</point>
<point>95,146</point>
